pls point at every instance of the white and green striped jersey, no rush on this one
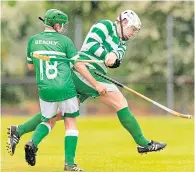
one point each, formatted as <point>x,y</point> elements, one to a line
<point>100,40</point>
<point>54,79</point>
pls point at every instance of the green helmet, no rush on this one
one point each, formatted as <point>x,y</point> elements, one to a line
<point>54,16</point>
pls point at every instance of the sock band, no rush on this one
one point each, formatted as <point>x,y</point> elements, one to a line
<point>47,125</point>
<point>72,132</point>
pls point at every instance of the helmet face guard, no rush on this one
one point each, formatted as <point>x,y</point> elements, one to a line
<point>63,28</point>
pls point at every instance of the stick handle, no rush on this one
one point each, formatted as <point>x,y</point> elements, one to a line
<point>90,61</point>
<point>109,79</point>
<point>46,58</point>
<point>41,57</point>
<point>144,97</point>
<point>75,60</point>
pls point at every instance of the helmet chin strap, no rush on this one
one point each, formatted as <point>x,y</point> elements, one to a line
<point>124,38</point>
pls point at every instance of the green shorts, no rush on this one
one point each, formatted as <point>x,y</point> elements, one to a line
<point>85,89</point>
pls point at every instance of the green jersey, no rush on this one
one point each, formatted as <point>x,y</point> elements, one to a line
<point>54,79</point>
<point>100,40</point>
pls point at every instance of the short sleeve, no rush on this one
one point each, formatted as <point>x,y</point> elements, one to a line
<point>71,50</point>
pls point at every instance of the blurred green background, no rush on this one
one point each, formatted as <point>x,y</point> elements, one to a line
<point>159,63</point>
<point>144,68</point>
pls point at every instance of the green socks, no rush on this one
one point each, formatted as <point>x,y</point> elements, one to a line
<point>41,131</point>
<point>131,125</point>
<point>70,144</point>
<point>30,125</point>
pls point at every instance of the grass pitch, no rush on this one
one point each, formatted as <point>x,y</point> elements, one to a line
<point>105,146</point>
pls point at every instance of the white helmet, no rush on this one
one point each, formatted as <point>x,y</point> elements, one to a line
<point>132,18</point>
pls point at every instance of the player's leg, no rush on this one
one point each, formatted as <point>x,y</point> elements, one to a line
<point>70,111</point>
<point>29,125</point>
<point>15,132</point>
<point>125,116</point>
<point>48,110</point>
<point>116,100</point>
<point>70,144</point>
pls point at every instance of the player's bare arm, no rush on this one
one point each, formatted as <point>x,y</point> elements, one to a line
<point>30,66</point>
<point>82,69</point>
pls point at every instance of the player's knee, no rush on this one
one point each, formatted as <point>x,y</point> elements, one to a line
<point>121,104</point>
<point>70,123</point>
<point>52,122</point>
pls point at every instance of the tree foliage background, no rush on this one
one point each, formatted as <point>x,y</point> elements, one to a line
<point>146,58</point>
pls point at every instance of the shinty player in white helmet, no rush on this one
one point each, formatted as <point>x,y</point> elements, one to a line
<point>106,40</point>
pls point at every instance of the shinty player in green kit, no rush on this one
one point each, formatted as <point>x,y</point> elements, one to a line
<point>55,86</point>
<point>106,40</point>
